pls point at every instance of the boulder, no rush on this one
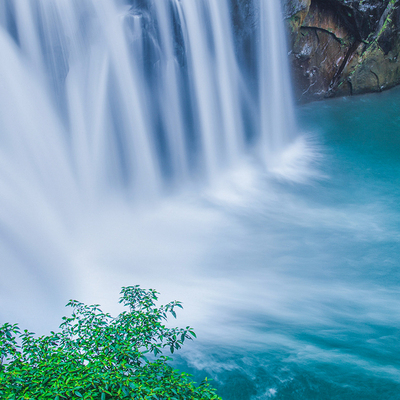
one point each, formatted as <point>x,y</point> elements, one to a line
<point>343,47</point>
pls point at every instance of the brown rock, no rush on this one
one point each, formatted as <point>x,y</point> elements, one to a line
<point>319,50</point>
<point>375,66</point>
<point>295,12</point>
<point>343,47</point>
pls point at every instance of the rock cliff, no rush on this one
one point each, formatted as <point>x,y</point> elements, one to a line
<point>343,47</point>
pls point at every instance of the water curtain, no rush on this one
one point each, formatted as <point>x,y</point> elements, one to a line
<point>137,96</point>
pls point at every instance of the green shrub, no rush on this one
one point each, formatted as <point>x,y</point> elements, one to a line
<point>98,357</point>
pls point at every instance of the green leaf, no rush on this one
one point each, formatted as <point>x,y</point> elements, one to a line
<point>100,351</point>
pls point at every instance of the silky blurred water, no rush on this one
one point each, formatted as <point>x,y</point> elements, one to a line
<point>292,286</point>
<point>316,307</point>
<point>281,243</point>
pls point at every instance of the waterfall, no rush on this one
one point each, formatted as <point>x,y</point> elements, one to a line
<point>139,96</point>
<point>126,100</point>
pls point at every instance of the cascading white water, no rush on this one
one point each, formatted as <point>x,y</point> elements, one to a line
<point>123,100</point>
<point>107,106</point>
<point>141,92</point>
<point>277,121</point>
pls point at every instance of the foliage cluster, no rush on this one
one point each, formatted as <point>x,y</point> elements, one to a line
<point>98,357</point>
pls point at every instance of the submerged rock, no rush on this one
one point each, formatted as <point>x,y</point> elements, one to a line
<point>343,47</point>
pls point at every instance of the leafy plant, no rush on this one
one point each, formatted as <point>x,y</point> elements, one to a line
<point>98,357</point>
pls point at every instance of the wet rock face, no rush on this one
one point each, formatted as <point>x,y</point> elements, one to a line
<point>343,47</point>
<point>362,15</point>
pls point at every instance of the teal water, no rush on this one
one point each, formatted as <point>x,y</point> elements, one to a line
<point>127,158</point>
<point>321,319</point>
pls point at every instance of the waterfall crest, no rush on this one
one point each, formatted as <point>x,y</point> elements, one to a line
<point>139,95</point>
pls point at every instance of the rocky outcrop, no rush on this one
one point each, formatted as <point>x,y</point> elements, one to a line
<point>343,47</point>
